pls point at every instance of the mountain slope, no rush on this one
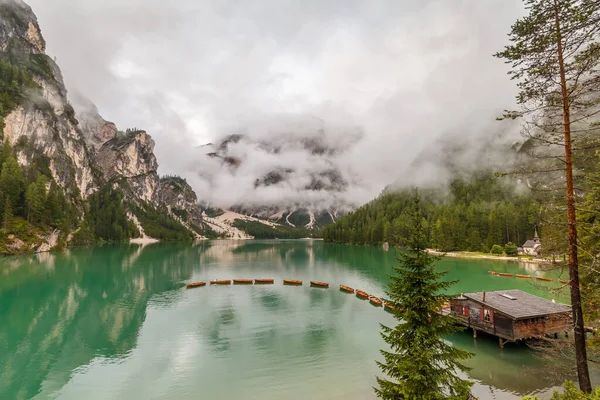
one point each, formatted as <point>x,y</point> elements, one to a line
<point>72,175</point>
<point>471,214</point>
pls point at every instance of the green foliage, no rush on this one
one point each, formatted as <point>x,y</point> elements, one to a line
<point>35,198</point>
<point>14,83</point>
<point>497,250</point>
<point>262,231</point>
<point>511,249</point>
<point>106,218</point>
<point>214,212</point>
<point>12,185</point>
<point>421,364</point>
<point>474,214</point>
<point>158,224</point>
<point>571,392</point>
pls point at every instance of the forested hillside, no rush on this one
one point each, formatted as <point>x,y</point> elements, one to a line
<point>471,215</point>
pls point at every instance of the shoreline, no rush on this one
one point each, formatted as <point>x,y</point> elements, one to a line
<point>479,256</point>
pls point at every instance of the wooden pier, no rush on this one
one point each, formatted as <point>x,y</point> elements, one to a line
<point>510,315</point>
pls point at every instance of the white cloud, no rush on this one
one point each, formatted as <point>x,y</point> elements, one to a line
<point>406,73</point>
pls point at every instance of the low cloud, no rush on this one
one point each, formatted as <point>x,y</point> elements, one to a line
<point>387,81</point>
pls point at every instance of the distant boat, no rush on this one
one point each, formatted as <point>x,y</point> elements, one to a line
<point>292,282</point>
<point>362,295</point>
<point>195,285</point>
<point>346,289</point>
<point>264,281</point>
<point>319,284</point>
<point>243,281</point>
<point>221,282</point>
<point>524,276</point>
<point>376,301</point>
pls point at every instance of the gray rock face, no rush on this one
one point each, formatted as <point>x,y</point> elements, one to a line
<point>131,156</point>
<point>175,193</point>
<point>81,151</point>
<point>19,29</point>
<point>47,126</point>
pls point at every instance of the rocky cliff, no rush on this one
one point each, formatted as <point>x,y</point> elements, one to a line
<point>78,151</point>
<point>45,127</point>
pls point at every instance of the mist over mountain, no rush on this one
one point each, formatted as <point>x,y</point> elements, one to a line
<point>378,84</point>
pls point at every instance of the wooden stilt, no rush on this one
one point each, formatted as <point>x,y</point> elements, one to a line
<point>502,342</point>
<point>474,333</point>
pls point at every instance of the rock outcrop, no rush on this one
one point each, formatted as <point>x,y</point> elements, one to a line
<point>80,151</point>
<point>175,193</point>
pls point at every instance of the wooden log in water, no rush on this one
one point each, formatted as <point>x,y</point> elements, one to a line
<point>292,282</point>
<point>318,284</point>
<point>524,276</point>
<point>541,278</point>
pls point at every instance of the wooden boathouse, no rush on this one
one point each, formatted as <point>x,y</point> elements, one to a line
<point>510,315</point>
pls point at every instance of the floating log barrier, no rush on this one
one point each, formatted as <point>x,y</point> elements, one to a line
<point>564,282</point>
<point>492,273</point>
<point>524,276</point>
<point>243,281</point>
<point>376,301</point>
<point>504,274</point>
<point>541,278</point>
<point>221,282</point>
<point>264,281</point>
<point>292,282</point>
<point>388,307</point>
<point>195,285</point>
<point>346,289</point>
<point>362,295</point>
<point>319,284</point>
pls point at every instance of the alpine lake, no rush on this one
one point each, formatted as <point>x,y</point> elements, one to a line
<point>116,322</point>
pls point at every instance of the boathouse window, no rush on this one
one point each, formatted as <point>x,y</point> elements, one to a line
<point>487,317</point>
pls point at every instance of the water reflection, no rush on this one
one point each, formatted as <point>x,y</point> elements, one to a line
<point>60,311</point>
<point>71,317</point>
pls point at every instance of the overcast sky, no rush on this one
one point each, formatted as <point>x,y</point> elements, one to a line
<point>404,72</point>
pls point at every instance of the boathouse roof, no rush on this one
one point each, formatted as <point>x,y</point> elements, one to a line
<point>518,304</point>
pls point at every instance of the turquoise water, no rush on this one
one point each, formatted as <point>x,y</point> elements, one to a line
<point>115,322</point>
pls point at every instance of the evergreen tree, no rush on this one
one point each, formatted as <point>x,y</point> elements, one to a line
<point>35,197</point>
<point>421,364</point>
<point>555,54</point>
<point>12,183</point>
<point>7,215</point>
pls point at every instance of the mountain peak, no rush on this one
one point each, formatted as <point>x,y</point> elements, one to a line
<point>19,28</point>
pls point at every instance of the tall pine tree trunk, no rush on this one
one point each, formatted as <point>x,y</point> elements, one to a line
<point>583,373</point>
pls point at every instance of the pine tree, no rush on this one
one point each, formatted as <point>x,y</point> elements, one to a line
<point>12,183</point>
<point>421,364</point>
<point>555,54</point>
<point>7,215</point>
